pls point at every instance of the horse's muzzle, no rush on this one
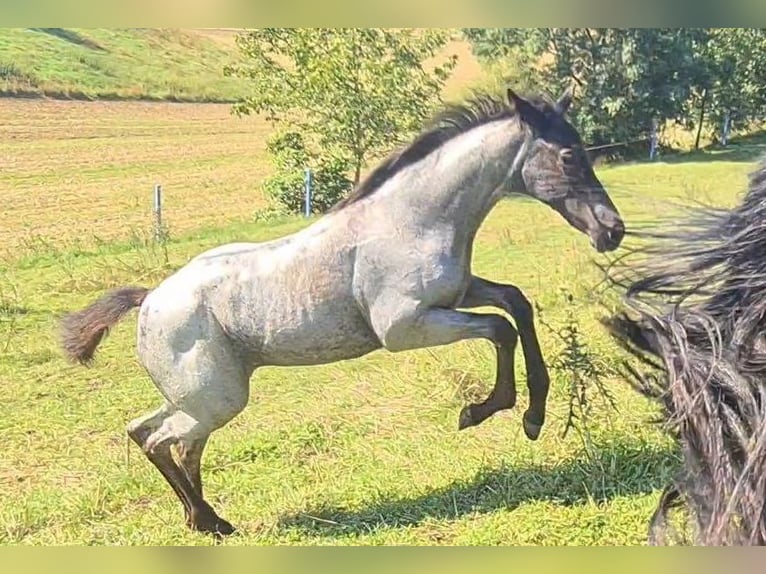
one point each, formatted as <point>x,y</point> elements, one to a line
<point>608,239</point>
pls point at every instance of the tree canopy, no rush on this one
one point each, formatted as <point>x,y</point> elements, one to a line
<point>628,77</point>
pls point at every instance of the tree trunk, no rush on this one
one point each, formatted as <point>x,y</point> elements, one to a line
<point>701,120</point>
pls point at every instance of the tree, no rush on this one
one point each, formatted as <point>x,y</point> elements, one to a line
<point>736,63</point>
<point>350,93</point>
<point>629,77</point>
<point>509,56</point>
<point>625,78</point>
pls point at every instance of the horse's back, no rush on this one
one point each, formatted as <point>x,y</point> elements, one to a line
<point>283,302</point>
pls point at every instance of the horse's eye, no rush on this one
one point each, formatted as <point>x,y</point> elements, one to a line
<point>566,154</point>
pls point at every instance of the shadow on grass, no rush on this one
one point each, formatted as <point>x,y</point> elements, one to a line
<point>745,149</point>
<point>70,36</point>
<point>10,310</point>
<point>619,470</point>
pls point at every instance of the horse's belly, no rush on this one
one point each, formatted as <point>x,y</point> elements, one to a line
<point>312,338</point>
<point>294,305</point>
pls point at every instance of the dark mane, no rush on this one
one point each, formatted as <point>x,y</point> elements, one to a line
<point>696,316</point>
<point>452,121</point>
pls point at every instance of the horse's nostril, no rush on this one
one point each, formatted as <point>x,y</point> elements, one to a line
<point>616,234</point>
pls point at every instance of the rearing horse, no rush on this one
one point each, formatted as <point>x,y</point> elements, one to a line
<point>388,267</point>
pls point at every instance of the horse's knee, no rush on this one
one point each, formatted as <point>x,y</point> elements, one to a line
<point>394,339</point>
<point>521,309</point>
<point>503,333</point>
<point>394,332</point>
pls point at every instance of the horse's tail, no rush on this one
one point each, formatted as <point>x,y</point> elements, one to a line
<point>82,331</point>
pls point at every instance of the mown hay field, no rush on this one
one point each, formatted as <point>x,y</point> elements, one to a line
<point>78,173</point>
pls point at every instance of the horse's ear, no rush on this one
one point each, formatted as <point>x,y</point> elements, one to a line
<point>563,103</point>
<point>528,113</point>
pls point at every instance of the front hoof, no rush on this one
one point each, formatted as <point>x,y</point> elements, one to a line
<point>532,430</point>
<point>466,418</point>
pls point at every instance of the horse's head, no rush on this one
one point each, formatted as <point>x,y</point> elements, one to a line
<point>557,171</point>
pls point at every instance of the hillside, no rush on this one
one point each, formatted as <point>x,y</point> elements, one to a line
<point>146,64</point>
<point>140,64</point>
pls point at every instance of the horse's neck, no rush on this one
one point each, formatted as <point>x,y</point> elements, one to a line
<point>459,184</point>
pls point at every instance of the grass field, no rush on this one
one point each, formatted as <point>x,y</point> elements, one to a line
<point>361,452</point>
<point>137,64</point>
<point>75,174</point>
<point>179,65</point>
<point>365,451</point>
<point>80,173</point>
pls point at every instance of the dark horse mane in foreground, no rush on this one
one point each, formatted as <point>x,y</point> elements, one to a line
<point>696,315</point>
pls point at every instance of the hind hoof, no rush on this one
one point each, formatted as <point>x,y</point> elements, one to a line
<point>224,528</point>
<point>213,525</point>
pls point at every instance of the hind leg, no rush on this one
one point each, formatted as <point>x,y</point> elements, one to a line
<point>190,459</point>
<point>156,434</point>
<point>205,382</point>
<point>139,430</point>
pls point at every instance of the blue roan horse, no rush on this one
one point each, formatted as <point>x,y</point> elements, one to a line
<point>389,267</point>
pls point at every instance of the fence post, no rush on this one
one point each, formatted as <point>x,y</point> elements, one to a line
<point>725,130</point>
<point>308,182</point>
<point>653,141</point>
<point>158,212</point>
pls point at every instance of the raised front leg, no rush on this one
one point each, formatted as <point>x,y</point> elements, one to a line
<point>510,299</point>
<point>439,326</point>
